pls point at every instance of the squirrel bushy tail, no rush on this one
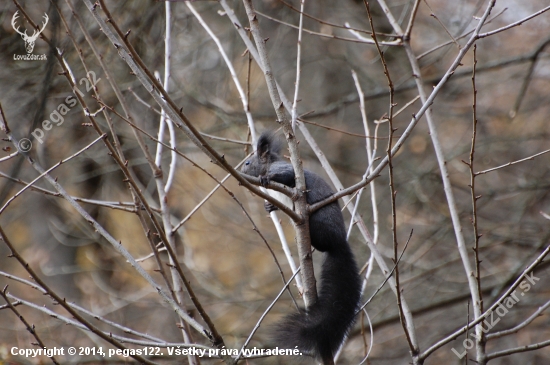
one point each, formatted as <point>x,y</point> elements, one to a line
<point>320,330</point>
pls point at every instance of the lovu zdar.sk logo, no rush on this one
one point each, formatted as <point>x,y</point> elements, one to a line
<point>29,40</point>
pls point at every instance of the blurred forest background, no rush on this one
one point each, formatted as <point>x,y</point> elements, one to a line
<point>225,261</point>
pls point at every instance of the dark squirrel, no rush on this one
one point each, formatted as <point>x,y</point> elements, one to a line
<point>320,330</point>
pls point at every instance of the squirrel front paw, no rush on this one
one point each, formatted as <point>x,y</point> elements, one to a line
<point>269,207</point>
<point>264,180</point>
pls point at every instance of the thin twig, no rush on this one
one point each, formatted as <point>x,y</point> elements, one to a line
<point>331,36</point>
<point>301,225</point>
<point>219,184</point>
<point>149,106</point>
<point>512,163</point>
<point>246,107</point>
<point>294,113</point>
<point>176,115</point>
<point>480,339</point>
<point>332,24</point>
<point>85,311</point>
<point>339,130</point>
<point>475,198</point>
<point>62,302</point>
<point>229,64</point>
<point>489,310</point>
<point>322,158</point>
<point>122,339</point>
<point>516,350</point>
<point>268,309</point>
<point>124,206</point>
<point>388,276</point>
<point>464,35</point>
<point>103,136</point>
<point>514,24</point>
<point>440,156</point>
<point>371,337</point>
<point>411,19</point>
<point>163,188</point>
<point>116,244</point>
<point>166,84</point>
<point>29,327</point>
<point>115,148</point>
<point>433,15</point>
<point>408,328</point>
<point>523,324</point>
<point>371,157</point>
<point>416,117</point>
<point>9,156</point>
<point>228,140</point>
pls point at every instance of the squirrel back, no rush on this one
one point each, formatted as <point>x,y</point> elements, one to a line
<point>320,330</point>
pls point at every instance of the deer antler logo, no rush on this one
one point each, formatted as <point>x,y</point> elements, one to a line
<point>29,41</point>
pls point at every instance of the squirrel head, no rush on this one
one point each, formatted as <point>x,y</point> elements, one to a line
<point>268,150</point>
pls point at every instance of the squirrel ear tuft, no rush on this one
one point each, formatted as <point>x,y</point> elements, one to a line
<point>264,143</point>
<point>263,149</point>
<point>268,145</point>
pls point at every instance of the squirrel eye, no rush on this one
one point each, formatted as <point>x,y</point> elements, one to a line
<point>247,163</point>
